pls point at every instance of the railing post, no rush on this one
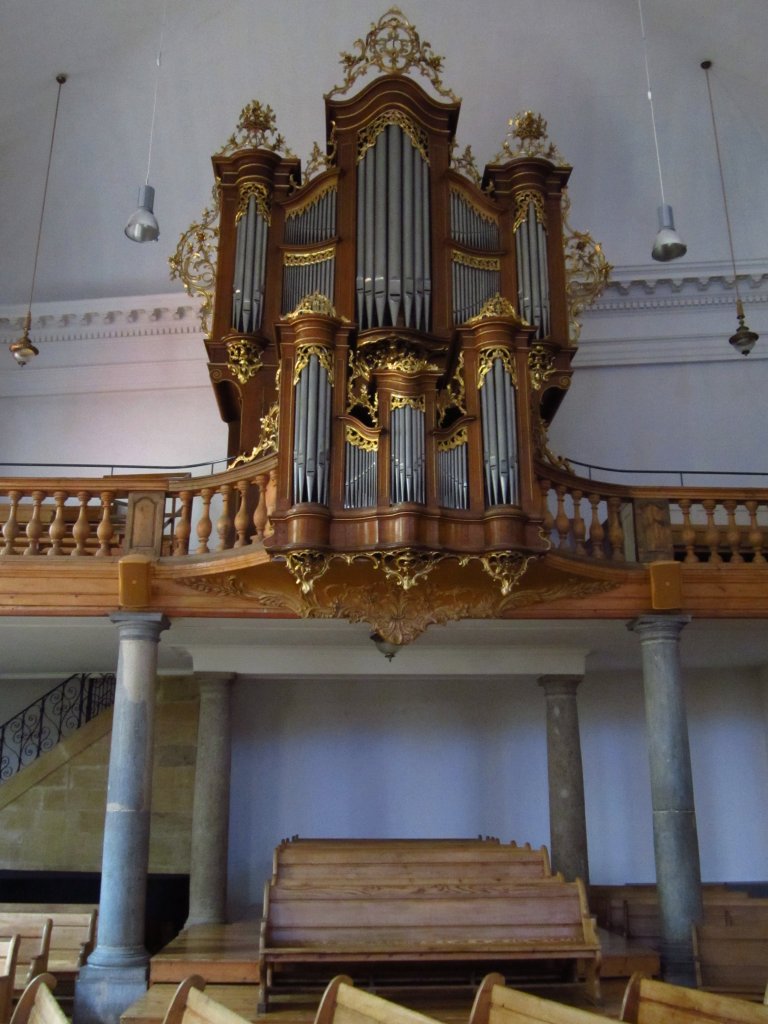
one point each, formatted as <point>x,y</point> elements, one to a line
<point>653,530</point>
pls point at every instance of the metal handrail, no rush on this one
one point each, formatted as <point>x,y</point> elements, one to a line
<point>52,717</point>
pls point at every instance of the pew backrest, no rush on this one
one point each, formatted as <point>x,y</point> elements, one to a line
<point>9,949</point>
<point>37,1004</point>
<point>73,931</point>
<point>190,1005</point>
<point>732,958</point>
<point>342,1003</point>
<point>33,948</point>
<point>647,1001</point>
<point>496,1003</point>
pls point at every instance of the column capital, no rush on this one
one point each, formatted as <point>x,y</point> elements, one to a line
<point>659,627</point>
<point>140,625</point>
<point>559,686</point>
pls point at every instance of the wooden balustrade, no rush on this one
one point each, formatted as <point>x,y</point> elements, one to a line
<point>586,519</point>
<point>94,517</point>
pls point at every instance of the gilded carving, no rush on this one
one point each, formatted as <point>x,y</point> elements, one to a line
<point>542,449</point>
<point>476,262</point>
<point>506,568</point>
<point>358,440</point>
<point>527,136</point>
<point>318,160</point>
<point>234,585</point>
<point>486,360</point>
<point>411,401</point>
<point>466,164</point>
<point>256,129</point>
<point>367,136</point>
<point>541,365</point>
<point>494,308</point>
<point>456,440</point>
<point>257,191</point>
<point>404,566</point>
<point>394,47</point>
<point>308,566</point>
<point>305,353</point>
<point>390,353</point>
<point>194,261</point>
<point>453,395</point>
<point>243,359</point>
<point>316,303</point>
<point>267,438</point>
<point>301,208</point>
<point>307,259</point>
<point>523,200</point>
<point>587,271</point>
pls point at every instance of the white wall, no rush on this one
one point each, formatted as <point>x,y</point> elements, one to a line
<point>428,757</point>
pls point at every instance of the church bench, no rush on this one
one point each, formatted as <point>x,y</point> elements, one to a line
<point>33,948</point>
<point>732,958</point>
<point>37,1004</point>
<point>407,860</point>
<point>8,952</point>
<point>190,1005</point>
<point>537,924</point>
<point>342,1003</point>
<point>647,1001</point>
<point>72,932</point>
<point>495,1003</point>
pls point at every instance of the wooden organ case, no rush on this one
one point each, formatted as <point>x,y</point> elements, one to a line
<point>393,325</point>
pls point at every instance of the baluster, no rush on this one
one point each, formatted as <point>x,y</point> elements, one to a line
<point>34,526</point>
<point>184,525</point>
<point>224,527</point>
<point>562,522</point>
<point>204,524</point>
<point>755,535</point>
<point>260,512</point>
<point>688,532</point>
<point>58,527</point>
<point>11,528</point>
<point>615,529</point>
<point>241,517</point>
<point>732,531</point>
<point>596,528</point>
<point>81,531</point>
<point>579,526</point>
<point>271,499</point>
<point>105,530</point>
<point>712,533</point>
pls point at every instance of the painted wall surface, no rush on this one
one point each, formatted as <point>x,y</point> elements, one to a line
<point>429,757</point>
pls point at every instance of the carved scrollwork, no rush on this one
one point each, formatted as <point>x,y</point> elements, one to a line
<point>466,164</point>
<point>268,436</point>
<point>523,200</point>
<point>194,261</point>
<point>405,566</point>
<point>476,262</point>
<point>527,136</point>
<point>486,360</point>
<point>453,395</point>
<point>305,353</point>
<point>367,136</point>
<point>308,566</point>
<point>541,365</point>
<point>243,359</point>
<point>320,161</point>
<point>394,47</point>
<point>256,129</point>
<point>316,303</point>
<point>506,568</point>
<point>255,190</point>
<point>458,438</point>
<point>587,271</point>
<point>495,307</point>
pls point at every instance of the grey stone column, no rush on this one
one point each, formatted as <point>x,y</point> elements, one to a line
<point>210,810</point>
<point>567,816</point>
<point>675,840</point>
<point>116,972</point>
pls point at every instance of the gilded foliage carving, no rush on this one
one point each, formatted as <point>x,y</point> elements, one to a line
<point>527,136</point>
<point>268,438</point>
<point>194,261</point>
<point>256,129</point>
<point>494,308</point>
<point>541,365</point>
<point>587,271</point>
<point>243,359</point>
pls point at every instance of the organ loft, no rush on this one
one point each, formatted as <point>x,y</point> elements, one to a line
<point>397,328</point>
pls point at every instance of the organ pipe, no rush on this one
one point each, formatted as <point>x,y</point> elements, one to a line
<point>453,473</point>
<point>312,432</point>
<point>497,406</point>
<point>360,471</point>
<point>407,453</point>
<point>393,275</point>
<point>533,271</point>
<point>307,273</point>
<point>250,268</point>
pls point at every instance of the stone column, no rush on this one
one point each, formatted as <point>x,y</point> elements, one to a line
<point>116,972</point>
<point>210,811</point>
<point>675,840</point>
<point>567,817</point>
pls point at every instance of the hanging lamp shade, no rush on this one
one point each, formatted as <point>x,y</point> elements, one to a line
<point>668,245</point>
<point>143,226</point>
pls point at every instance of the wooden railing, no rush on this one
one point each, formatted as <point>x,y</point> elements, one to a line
<point>156,514</point>
<point>611,522</point>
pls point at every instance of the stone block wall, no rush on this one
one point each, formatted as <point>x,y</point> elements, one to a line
<point>52,813</point>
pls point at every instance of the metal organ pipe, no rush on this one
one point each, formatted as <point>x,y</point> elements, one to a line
<point>407,454</point>
<point>311,443</point>
<point>497,404</point>
<point>393,277</point>
<point>533,272</point>
<point>250,268</point>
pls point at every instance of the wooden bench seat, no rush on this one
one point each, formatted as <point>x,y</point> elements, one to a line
<point>732,958</point>
<point>72,932</point>
<point>496,1003</point>
<point>9,949</point>
<point>543,922</point>
<point>656,1002</point>
<point>33,948</point>
<point>342,1003</point>
<point>190,1005</point>
<point>37,1004</point>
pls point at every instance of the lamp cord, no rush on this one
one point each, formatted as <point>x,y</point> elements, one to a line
<point>706,66</point>
<point>650,96</point>
<point>157,86</point>
<point>61,79</point>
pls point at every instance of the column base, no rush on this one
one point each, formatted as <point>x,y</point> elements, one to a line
<point>103,994</point>
<point>677,964</point>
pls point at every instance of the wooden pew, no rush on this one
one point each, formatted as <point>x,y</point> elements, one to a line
<point>72,933</point>
<point>495,1003</point>
<point>542,924</point>
<point>342,1003</point>
<point>732,958</point>
<point>397,861</point>
<point>656,1002</point>
<point>34,940</point>
<point>9,949</point>
<point>37,1005</point>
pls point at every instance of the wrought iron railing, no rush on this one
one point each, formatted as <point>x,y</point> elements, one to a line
<point>52,717</point>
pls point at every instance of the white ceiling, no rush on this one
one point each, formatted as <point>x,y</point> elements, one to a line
<point>578,62</point>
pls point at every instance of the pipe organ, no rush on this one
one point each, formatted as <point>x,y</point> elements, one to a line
<point>392,324</point>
